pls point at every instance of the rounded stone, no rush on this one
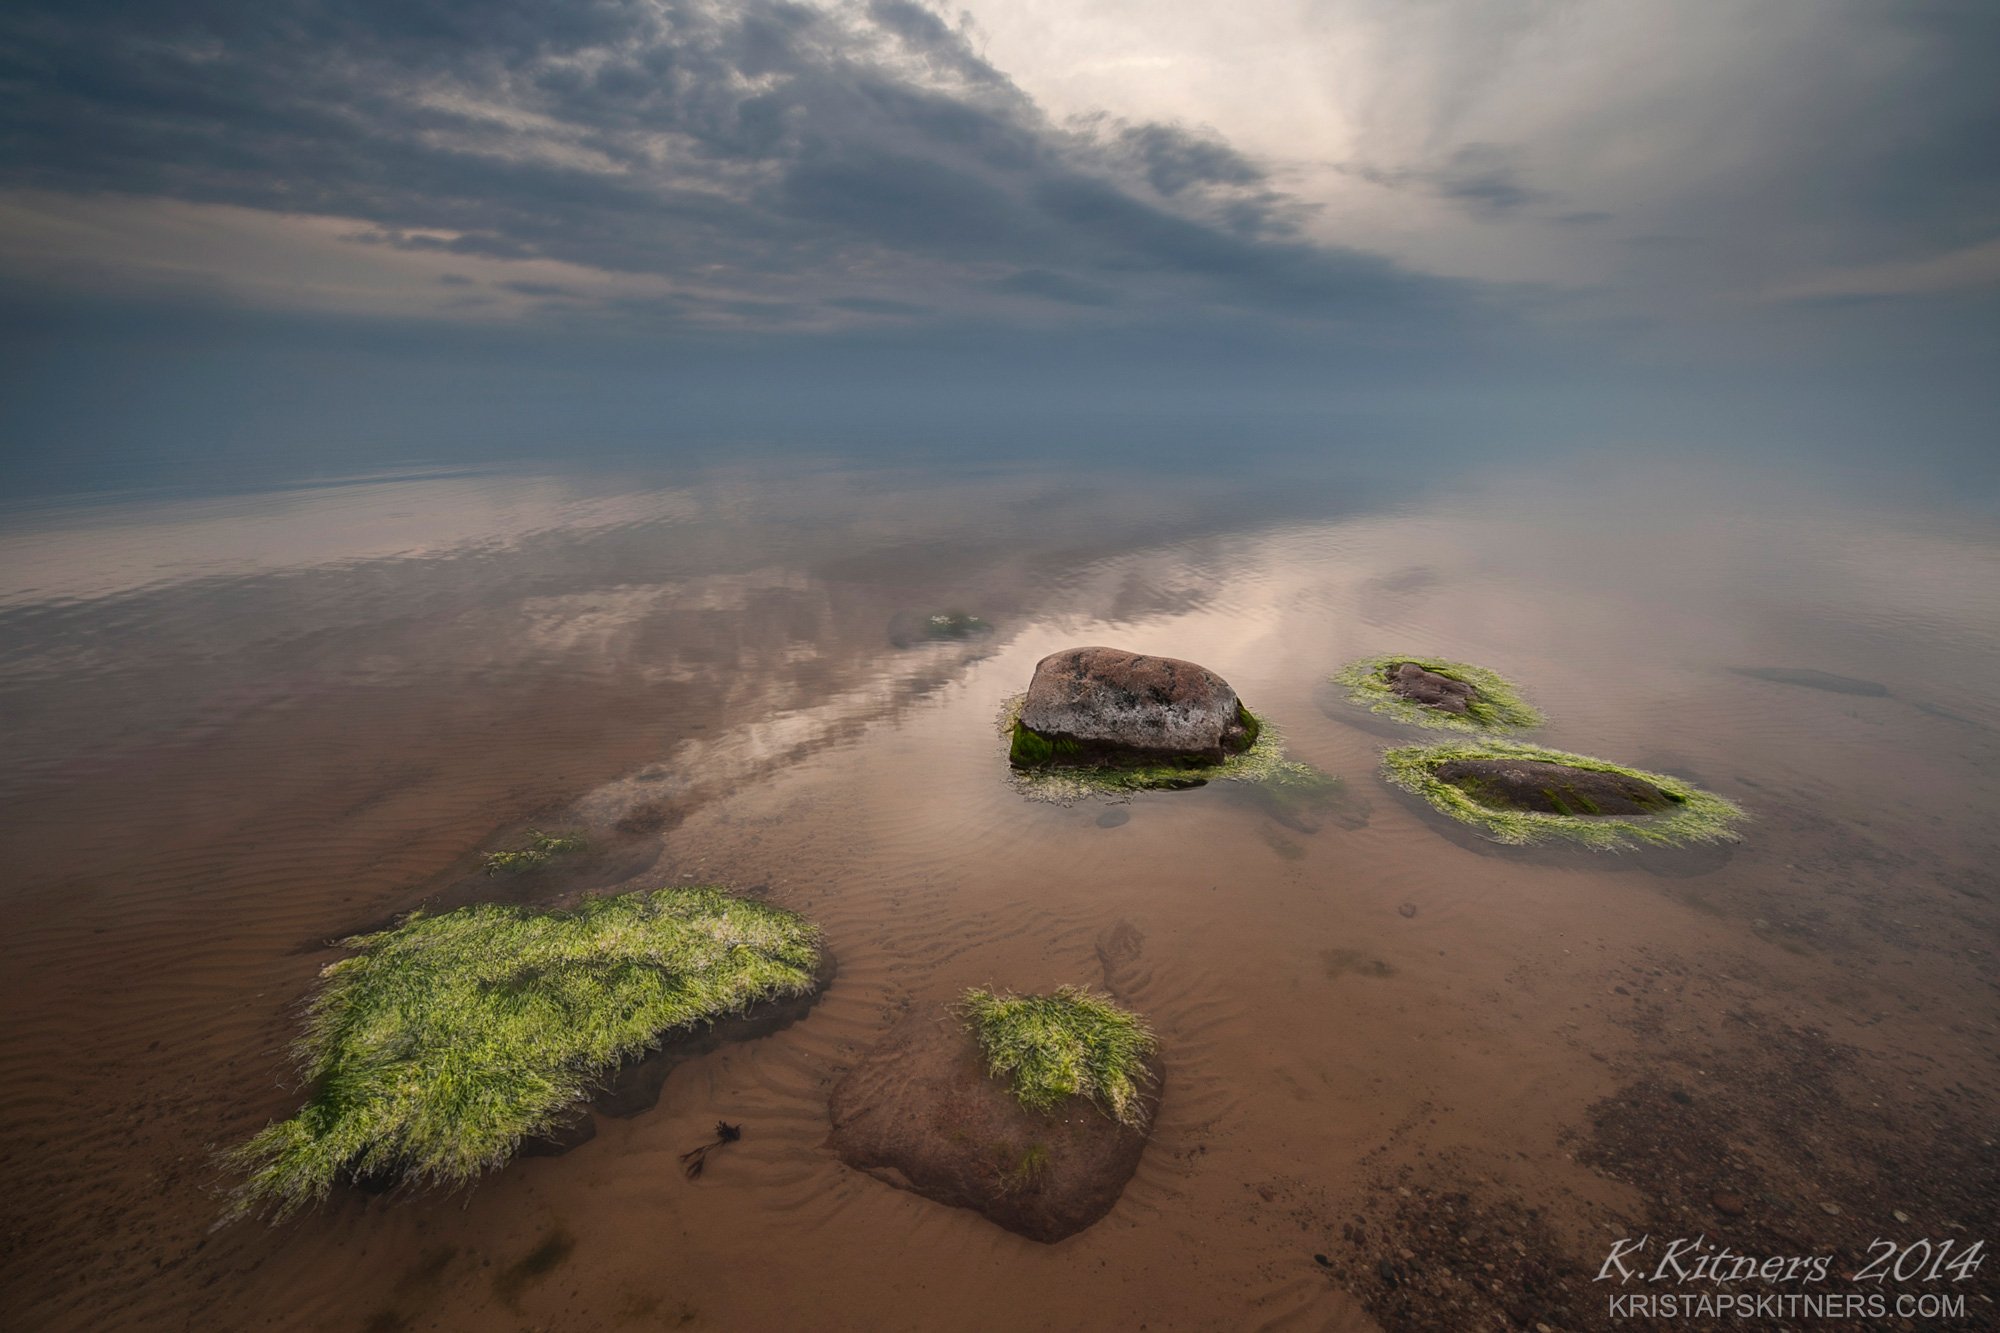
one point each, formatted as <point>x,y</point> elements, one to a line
<point>1106,704</point>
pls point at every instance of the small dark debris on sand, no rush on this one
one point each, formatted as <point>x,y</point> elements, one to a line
<point>694,1159</point>
<point>1440,1260</point>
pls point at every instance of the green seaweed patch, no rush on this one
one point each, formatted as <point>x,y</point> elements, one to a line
<point>1074,1043</point>
<point>1036,774</point>
<point>1025,1175</point>
<point>1253,726</point>
<point>542,848</point>
<point>1694,815</point>
<point>1496,706</point>
<point>1031,749</point>
<point>442,1043</point>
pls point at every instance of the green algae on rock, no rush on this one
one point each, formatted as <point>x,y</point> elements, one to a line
<point>1518,793</point>
<point>441,1044</point>
<point>1072,1043</point>
<point>1452,696</point>
<point>1062,778</point>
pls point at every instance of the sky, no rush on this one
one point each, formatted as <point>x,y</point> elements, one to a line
<point>293,225</point>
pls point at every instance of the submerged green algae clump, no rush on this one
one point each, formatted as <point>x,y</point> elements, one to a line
<point>542,848</point>
<point>1495,703</point>
<point>442,1043</point>
<point>1071,1043</point>
<point>1053,769</point>
<point>1672,812</point>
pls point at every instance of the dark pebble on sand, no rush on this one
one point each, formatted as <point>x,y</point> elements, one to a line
<point>1408,909</point>
<point>1322,1261</point>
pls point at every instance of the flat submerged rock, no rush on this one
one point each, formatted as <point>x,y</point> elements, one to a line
<point>1551,788</point>
<point>920,1112</point>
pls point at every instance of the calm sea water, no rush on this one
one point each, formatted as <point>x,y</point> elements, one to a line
<point>1413,1080</point>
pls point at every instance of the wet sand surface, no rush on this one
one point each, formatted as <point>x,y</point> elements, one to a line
<point>1414,1080</point>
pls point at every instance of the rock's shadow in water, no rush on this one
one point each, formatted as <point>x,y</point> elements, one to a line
<point>1336,805</point>
<point>637,1084</point>
<point>1331,699</point>
<point>1814,680</point>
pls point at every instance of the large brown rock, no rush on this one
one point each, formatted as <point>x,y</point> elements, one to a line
<point>1105,704</point>
<point>1556,789</point>
<point>920,1112</point>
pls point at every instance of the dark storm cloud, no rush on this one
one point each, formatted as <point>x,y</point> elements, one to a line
<point>1040,282</point>
<point>546,290</point>
<point>869,305</point>
<point>758,145</point>
<point>1483,178</point>
<point>1175,159</point>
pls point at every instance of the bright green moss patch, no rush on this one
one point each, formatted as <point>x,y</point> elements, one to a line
<point>443,1042</point>
<point>1029,748</point>
<point>1496,705</point>
<point>1035,773</point>
<point>1253,726</point>
<point>1070,1044</point>
<point>541,849</point>
<point>1691,815</point>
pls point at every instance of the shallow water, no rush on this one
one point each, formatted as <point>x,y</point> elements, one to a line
<point>244,725</point>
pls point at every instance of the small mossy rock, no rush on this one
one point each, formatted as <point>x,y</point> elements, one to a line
<point>1105,705</point>
<point>920,1112</point>
<point>1430,689</point>
<point>1551,788</point>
